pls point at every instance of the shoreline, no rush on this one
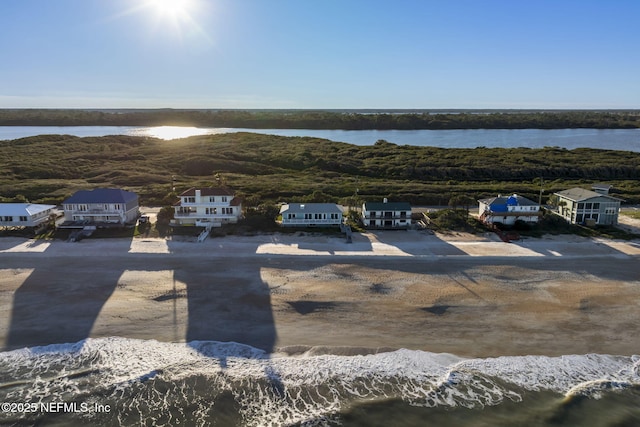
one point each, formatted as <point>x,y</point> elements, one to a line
<point>472,296</point>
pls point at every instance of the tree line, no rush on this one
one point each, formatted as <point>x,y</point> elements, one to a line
<point>323,119</point>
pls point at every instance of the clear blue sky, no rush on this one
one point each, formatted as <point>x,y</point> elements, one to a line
<point>320,54</point>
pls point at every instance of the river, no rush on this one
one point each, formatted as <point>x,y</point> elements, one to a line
<point>610,139</point>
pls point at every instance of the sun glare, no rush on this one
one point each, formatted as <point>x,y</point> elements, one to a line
<point>171,8</point>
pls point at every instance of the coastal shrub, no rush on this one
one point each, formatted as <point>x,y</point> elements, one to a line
<point>273,168</point>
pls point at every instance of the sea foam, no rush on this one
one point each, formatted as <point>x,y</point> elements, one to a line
<point>152,382</point>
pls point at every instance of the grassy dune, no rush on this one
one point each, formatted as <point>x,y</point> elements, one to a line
<point>264,168</point>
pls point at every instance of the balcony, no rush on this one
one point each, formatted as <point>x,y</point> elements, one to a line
<point>98,212</point>
<point>396,216</point>
<point>293,221</point>
<point>205,217</point>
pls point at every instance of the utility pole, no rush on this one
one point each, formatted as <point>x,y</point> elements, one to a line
<point>541,190</point>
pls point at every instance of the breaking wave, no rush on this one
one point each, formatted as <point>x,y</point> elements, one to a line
<point>213,383</point>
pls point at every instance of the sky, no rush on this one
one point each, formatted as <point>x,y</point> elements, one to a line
<point>320,54</point>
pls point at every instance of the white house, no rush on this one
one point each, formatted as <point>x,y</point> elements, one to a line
<point>508,210</point>
<point>101,206</point>
<point>580,206</point>
<point>385,214</point>
<point>311,215</point>
<point>207,207</point>
<point>24,214</point>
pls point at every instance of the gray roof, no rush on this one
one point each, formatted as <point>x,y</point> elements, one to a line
<point>310,208</point>
<point>602,186</point>
<point>580,194</point>
<point>102,195</point>
<point>21,209</point>
<point>389,206</point>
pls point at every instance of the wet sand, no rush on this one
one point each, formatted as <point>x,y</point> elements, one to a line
<point>468,295</point>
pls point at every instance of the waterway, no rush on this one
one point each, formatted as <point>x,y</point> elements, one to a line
<point>610,139</point>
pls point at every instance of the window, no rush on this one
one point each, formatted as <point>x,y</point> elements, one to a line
<point>24,219</point>
<point>291,216</point>
<point>580,206</point>
<point>588,206</point>
<point>189,199</point>
<point>595,217</point>
<point>579,218</point>
<point>8,219</point>
<point>224,199</point>
<point>212,199</point>
<point>610,211</point>
<point>596,206</point>
<point>307,216</point>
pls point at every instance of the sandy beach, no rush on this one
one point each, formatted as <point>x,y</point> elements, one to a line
<point>471,295</point>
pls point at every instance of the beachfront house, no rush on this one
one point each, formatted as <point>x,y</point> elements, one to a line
<point>386,215</point>
<point>101,207</point>
<point>310,215</point>
<point>24,214</point>
<point>508,210</point>
<point>581,206</point>
<point>207,207</point>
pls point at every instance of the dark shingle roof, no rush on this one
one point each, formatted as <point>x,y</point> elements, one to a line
<point>389,206</point>
<point>208,191</point>
<point>102,195</point>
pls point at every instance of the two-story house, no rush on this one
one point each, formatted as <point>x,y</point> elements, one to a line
<point>387,215</point>
<point>581,206</point>
<point>102,206</point>
<point>207,207</point>
<point>24,214</point>
<point>310,215</point>
<point>508,210</point>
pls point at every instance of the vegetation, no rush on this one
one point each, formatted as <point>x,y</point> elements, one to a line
<point>633,214</point>
<point>267,169</point>
<point>307,119</point>
<point>454,220</point>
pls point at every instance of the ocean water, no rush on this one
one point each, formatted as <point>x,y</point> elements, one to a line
<point>118,381</point>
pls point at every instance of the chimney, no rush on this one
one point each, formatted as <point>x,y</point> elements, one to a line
<point>198,194</point>
<point>384,200</point>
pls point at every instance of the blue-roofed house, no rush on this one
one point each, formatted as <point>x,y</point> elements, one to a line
<point>102,206</point>
<point>508,210</point>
